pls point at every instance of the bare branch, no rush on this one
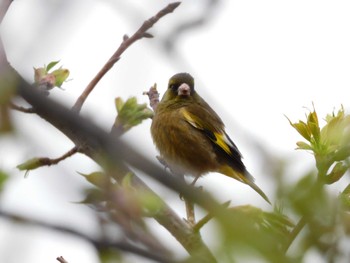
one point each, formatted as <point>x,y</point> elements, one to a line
<point>37,162</point>
<point>92,141</point>
<point>153,96</point>
<point>127,42</point>
<point>99,244</point>
<point>71,152</point>
<point>61,260</point>
<point>207,218</point>
<point>294,233</point>
<point>21,109</point>
<point>191,218</point>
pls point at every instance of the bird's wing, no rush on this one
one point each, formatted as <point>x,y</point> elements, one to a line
<point>213,128</point>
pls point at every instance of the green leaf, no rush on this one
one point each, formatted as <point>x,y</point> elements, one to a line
<point>309,198</point>
<point>3,178</point>
<point>108,255</point>
<point>252,228</point>
<point>96,178</point>
<point>119,103</point>
<point>337,172</point>
<point>127,180</point>
<point>345,198</point>
<point>30,164</point>
<point>304,146</point>
<point>312,118</point>
<point>150,202</point>
<point>47,79</point>
<point>61,76</point>
<point>315,131</point>
<point>130,113</point>
<point>301,128</point>
<point>93,196</point>
<point>337,130</point>
<point>51,65</point>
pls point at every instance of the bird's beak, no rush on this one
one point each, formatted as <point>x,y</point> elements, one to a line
<point>184,90</point>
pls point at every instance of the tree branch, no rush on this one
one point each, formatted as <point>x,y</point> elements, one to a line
<point>94,142</point>
<point>153,96</point>
<point>21,109</point>
<point>61,259</point>
<point>71,152</point>
<point>295,232</point>
<point>98,244</point>
<point>127,42</point>
<point>207,218</point>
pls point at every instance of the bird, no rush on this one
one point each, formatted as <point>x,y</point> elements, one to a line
<point>191,138</point>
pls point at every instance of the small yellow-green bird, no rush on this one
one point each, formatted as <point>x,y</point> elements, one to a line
<point>191,137</point>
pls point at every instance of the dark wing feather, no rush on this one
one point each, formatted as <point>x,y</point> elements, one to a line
<point>213,128</point>
<point>227,152</point>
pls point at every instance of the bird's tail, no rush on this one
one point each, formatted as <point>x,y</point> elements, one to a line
<point>246,178</point>
<point>258,190</point>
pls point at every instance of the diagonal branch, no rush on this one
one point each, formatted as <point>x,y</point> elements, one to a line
<point>94,142</point>
<point>98,243</point>
<point>34,163</point>
<point>61,259</point>
<point>21,109</point>
<point>127,42</point>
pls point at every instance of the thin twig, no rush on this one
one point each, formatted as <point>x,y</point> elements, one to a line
<point>48,161</point>
<point>191,218</point>
<point>128,217</point>
<point>71,152</point>
<point>295,232</point>
<point>207,218</point>
<point>189,204</point>
<point>21,109</point>
<point>61,260</point>
<point>99,244</point>
<point>93,141</point>
<point>127,42</point>
<point>153,96</point>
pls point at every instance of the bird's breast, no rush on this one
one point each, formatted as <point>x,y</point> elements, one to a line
<point>184,148</point>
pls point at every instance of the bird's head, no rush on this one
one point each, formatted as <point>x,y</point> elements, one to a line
<point>181,86</point>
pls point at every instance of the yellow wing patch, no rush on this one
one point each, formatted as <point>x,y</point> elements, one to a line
<point>221,140</point>
<point>191,120</point>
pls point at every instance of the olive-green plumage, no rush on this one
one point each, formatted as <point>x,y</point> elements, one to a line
<point>191,137</point>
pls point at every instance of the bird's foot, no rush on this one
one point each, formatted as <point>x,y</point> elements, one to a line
<point>162,162</point>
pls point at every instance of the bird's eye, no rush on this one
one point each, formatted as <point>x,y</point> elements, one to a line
<point>172,86</point>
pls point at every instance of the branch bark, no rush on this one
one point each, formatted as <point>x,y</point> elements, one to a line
<point>127,42</point>
<point>99,244</point>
